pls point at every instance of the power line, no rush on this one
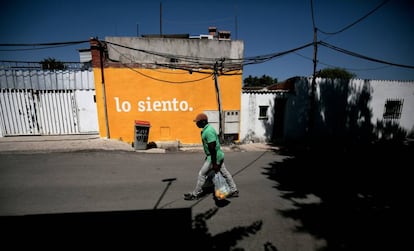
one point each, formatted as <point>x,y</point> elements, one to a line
<point>32,49</point>
<point>353,23</point>
<point>236,62</point>
<point>346,68</point>
<point>47,44</point>
<point>362,56</point>
<point>167,81</point>
<point>267,57</point>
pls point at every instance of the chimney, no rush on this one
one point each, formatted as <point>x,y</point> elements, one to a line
<point>224,35</point>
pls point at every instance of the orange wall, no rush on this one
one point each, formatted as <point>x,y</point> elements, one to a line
<point>168,99</point>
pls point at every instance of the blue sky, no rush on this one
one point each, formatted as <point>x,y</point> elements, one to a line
<point>264,26</point>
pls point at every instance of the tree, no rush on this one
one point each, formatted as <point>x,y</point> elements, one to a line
<point>335,73</point>
<point>259,82</point>
<point>52,64</point>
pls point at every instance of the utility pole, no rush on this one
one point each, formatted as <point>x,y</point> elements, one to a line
<point>101,61</point>
<point>160,18</point>
<point>236,27</point>
<point>216,84</point>
<point>137,29</point>
<point>313,85</point>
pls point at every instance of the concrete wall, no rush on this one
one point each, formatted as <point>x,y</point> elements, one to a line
<point>254,128</point>
<point>383,90</point>
<point>358,106</point>
<point>159,50</point>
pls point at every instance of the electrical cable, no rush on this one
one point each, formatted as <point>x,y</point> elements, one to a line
<point>355,22</point>
<point>264,58</point>
<point>346,68</point>
<point>48,44</point>
<point>362,56</point>
<point>161,80</point>
<point>167,81</point>
<point>44,45</point>
<point>231,63</point>
<point>32,49</point>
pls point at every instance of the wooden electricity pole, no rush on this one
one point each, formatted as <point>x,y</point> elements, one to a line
<point>220,110</point>
<point>312,100</point>
<point>160,18</point>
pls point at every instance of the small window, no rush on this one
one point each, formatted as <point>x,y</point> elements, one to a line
<point>173,60</point>
<point>263,112</point>
<point>393,108</point>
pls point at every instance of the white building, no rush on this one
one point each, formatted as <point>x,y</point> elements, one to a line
<point>342,108</point>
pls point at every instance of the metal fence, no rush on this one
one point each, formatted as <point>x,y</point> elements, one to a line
<point>35,101</point>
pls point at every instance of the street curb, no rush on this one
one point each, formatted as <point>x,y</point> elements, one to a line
<point>77,143</point>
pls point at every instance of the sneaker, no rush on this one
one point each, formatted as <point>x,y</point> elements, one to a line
<point>233,194</point>
<point>190,196</point>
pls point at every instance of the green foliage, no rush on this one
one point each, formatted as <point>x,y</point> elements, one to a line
<point>335,73</point>
<point>259,82</point>
<point>52,64</point>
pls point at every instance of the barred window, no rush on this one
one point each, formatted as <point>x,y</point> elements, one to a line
<point>393,108</point>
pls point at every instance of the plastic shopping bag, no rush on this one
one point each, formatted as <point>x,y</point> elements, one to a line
<point>221,188</point>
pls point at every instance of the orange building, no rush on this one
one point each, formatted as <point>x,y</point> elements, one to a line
<point>167,82</point>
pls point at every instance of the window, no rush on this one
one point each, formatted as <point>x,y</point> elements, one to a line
<point>173,60</point>
<point>393,108</point>
<point>263,111</point>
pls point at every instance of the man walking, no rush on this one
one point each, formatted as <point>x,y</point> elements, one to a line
<point>214,159</point>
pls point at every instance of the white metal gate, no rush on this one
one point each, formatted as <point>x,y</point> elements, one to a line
<point>38,112</point>
<point>46,102</point>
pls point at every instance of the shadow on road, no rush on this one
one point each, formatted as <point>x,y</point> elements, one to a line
<point>350,197</point>
<point>160,229</point>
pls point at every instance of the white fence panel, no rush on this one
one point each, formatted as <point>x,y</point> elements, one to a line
<point>28,112</point>
<point>57,112</point>
<point>17,109</point>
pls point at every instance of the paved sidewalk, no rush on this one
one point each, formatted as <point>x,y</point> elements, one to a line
<point>84,142</point>
<point>60,143</point>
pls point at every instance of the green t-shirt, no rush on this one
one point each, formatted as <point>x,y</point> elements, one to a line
<point>208,135</point>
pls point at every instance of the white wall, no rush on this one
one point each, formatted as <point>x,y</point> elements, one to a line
<point>383,90</point>
<point>253,129</point>
<point>335,99</point>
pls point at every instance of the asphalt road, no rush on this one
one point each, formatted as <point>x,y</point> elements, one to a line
<point>313,202</point>
<point>118,181</point>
